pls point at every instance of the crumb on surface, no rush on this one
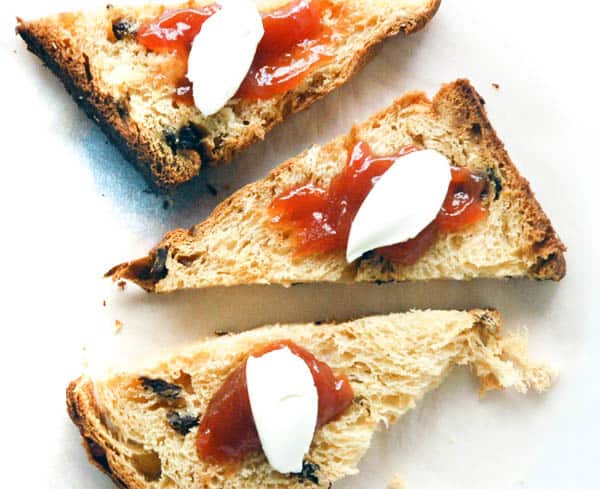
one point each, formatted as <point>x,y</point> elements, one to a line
<point>496,86</point>
<point>104,303</point>
<point>212,189</point>
<point>396,483</point>
<point>118,326</point>
<point>221,333</point>
<point>122,284</point>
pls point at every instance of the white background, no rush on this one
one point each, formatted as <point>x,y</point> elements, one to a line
<point>71,208</point>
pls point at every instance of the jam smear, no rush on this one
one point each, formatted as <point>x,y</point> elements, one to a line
<point>227,432</point>
<point>174,30</point>
<point>319,219</point>
<point>295,42</point>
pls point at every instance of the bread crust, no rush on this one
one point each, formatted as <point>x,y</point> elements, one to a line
<point>424,346</point>
<point>98,106</point>
<point>456,102</point>
<point>469,113</point>
<point>82,409</point>
<point>161,170</point>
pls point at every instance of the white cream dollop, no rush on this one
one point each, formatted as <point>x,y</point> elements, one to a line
<point>222,53</point>
<point>403,202</point>
<point>284,403</point>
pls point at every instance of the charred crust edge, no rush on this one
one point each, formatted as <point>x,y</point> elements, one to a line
<point>100,107</point>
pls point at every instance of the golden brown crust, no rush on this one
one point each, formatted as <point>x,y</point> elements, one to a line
<point>162,170</point>
<point>463,107</point>
<point>103,455</point>
<point>469,116</point>
<point>119,420</point>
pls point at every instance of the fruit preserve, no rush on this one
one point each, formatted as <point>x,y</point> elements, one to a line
<point>227,432</point>
<point>319,219</point>
<point>294,43</point>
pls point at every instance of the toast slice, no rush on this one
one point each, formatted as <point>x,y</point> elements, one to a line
<point>391,362</point>
<point>236,245</point>
<point>115,81</point>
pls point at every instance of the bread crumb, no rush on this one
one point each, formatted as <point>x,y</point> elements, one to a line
<point>396,483</point>
<point>496,86</point>
<point>166,204</point>
<point>122,284</point>
<point>104,303</point>
<point>221,333</point>
<point>118,326</point>
<point>212,189</point>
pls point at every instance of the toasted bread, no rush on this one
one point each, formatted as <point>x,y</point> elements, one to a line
<point>236,245</point>
<point>115,81</point>
<point>391,362</point>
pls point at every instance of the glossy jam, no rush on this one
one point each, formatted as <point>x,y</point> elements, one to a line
<point>174,30</point>
<point>319,219</point>
<point>227,432</point>
<point>294,43</point>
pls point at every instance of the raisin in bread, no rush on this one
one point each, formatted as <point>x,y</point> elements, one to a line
<point>140,427</point>
<point>237,245</point>
<point>118,82</point>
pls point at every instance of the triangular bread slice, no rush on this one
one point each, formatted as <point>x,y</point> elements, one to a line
<point>391,361</point>
<point>236,245</point>
<point>114,81</point>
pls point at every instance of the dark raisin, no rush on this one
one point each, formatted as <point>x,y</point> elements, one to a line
<point>476,129</point>
<point>309,471</point>
<point>171,138</point>
<point>182,423</point>
<point>189,137</point>
<point>162,388</point>
<point>158,270</point>
<point>122,28</point>
<point>496,180</point>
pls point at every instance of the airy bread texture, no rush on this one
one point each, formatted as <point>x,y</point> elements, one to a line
<point>122,86</point>
<point>391,362</point>
<point>236,245</point>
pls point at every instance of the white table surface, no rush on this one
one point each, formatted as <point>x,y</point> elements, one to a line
<point>71,208</point>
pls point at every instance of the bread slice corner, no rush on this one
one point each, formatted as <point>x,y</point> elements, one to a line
<point>392,362</point>
<point>114,80</point>
<point>236,245</point>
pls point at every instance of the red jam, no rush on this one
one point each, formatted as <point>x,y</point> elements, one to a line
<point>227,432</point>
<point>175,29</point>
<point>319,219</point>
<point>294,43</point>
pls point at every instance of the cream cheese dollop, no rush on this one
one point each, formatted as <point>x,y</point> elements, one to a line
<point>403,202</point>
<point>222,53</point>
<point>284,403</point>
